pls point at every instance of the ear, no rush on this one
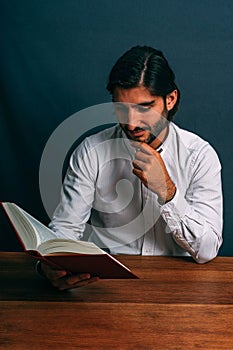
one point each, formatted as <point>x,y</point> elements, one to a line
<point>171,99</point>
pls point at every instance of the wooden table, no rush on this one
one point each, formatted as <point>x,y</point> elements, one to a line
<point>176,304</point>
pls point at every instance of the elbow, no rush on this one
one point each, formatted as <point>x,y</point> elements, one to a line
<point>208,250</point>
<point>206,255</point>
<point>204,258</point>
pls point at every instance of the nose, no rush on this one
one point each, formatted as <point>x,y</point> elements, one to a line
<point>130,117</point>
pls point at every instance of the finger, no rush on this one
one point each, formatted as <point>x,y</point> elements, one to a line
<point>142,156</point>
<point>140,174</point>
<point>143,147</point>
<point>73,279</point>
<point>56,274</point>
<point>85,282</point>
<point>146,149</point>
<point>52,273</point>
<point>140,165</point>
<point>82,283</point>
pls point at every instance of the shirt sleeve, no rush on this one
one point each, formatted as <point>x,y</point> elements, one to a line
<point>70,217</point>
<point>195,218</point>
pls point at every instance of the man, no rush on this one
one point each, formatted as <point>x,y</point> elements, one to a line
<point>144,186</point>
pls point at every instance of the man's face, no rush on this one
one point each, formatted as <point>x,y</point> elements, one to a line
<point>141,115</point>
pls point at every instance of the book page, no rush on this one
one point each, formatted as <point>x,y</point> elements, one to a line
<point>68,246</point>
<point>31,231</point>
<point>43,232</point>
<point>23,228</point>
<point>36,236</point>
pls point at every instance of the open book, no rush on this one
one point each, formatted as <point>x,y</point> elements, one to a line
<point>71,255</point>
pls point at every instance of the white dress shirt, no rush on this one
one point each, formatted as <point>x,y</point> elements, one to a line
<point>104,202</point>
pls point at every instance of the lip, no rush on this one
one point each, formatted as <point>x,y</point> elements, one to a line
<point>138,133</point>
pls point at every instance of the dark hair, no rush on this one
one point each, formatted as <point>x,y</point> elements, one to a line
<point>144,66</point>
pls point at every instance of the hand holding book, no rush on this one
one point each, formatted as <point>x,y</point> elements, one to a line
<point>62,280</point>
<point>66,263</point>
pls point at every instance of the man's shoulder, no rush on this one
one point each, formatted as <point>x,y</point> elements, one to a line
<point>97,140</point>
<point>96,143</point>
<point>196,146</point>
<point>105,134</point>
<point>188,138</point>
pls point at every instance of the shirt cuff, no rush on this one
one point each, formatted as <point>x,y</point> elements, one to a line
<point>39,269</point>
<point>174,210</point>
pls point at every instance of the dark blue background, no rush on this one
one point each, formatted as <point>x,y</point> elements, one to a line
<point>55,58</point>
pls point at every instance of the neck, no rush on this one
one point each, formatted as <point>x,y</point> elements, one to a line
<point>157,142</point>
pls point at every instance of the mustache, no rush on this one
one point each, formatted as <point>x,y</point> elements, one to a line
<point>136,129</point>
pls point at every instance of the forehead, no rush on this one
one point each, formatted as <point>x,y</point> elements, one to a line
<point>136,95</point>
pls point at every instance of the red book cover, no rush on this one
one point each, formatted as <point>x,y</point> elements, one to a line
<point>102,265</point>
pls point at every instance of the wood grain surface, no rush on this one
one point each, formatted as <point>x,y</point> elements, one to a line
<point>176,304</point>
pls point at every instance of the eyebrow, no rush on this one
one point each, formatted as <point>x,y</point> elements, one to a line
<point>144,104</point>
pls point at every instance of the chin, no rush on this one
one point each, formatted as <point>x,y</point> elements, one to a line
<point>140,139</point>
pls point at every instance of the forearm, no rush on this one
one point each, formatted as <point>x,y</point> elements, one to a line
<point>197,231</point>
<point>201,240</point>
<point>167,193</point>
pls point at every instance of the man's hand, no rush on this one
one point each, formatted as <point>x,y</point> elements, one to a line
<point>149,167</point>
<point>63,281</point>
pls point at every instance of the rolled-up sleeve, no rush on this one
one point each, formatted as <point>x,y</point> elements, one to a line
<point>195,217</point>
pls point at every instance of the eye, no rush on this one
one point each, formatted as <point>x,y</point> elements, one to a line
<point>142,109</point>
<point>120,107</point>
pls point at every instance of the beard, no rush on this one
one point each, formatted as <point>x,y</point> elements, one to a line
<point>155,130</point>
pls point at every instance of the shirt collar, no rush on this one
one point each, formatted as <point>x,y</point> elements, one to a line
<point>160,149</point>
